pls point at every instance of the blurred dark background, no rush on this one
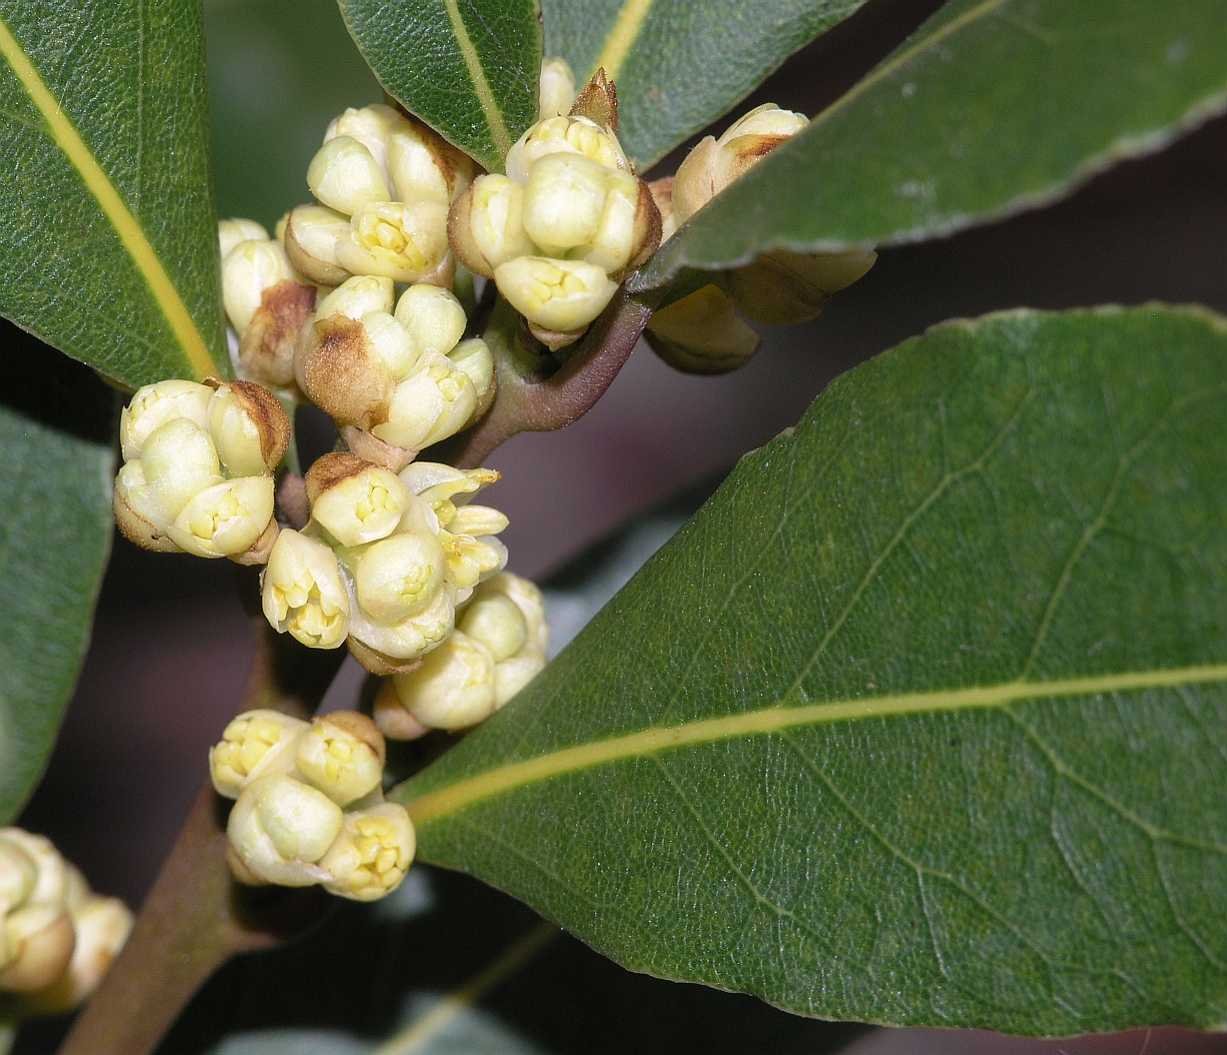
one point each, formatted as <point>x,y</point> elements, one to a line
<point>170,648</point>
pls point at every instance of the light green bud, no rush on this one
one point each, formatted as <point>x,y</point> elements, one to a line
<point>179,462</point>
<point>470,560</point>
<point>312,234</point>
<point>370,126</point>
<point>495,621</point>
<point>372,854</point>
<point>226,519</point>
<point>453,688</point>
<point>626,228</point>
<point>302,593</point>
<point>391,342</point>
<point>402,241</point>
<point>254,744</point>
<point>342,755</point>
<point>565,135</point>
<point>279,829</point>
<point>246,430</point>
<point>231,232</point>
<point>435,401</point>
<point>563,202</point>
<point>154,405</point>
<point>345,176</point>
<point>560,295</point>
<point>433,317</point>
<point>248,270</point>
<point>411,638</point>
<point>354,501</point>
<point>557,88</point>
<point>357,296</point>
<point>476,360</point>
<point>398,577</point>
<point>486,224</point>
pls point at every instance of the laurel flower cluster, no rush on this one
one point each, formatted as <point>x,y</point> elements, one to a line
<point>568,220</point>
<point>198,468</point>
<point>57,937</point>
<point>309,804</point>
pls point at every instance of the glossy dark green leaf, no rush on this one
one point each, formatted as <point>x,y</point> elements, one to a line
<point>993,106</point>
<point>678,64</point>
<point>469,68</point>
<point>923,718</point>
<point>56,431</point>
<point>108,243</point>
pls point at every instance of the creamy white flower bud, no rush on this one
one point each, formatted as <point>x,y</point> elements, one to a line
<point>477,361</point>
<point>254,744</point>
<point>471,560</point>
<point>226,519</point>
<point>568,135</point>
<point>345,176</point>
<point>562,295</point>
<point>630,227</point>
<point>248,427</point>
<point>783,287</point>
<point>138,514</point>
<point>302,593</point>
<point>372,853</point>
<point>424,167</point>
<point>765,120</point>
<point>402,241</point>
<point>454,686</point>
<point>18,874</point>
<point>435,401</point>
<point>390,715</point>
<point>557,91</point>
<point>248,270</point>
<point>154,405</point>
<point>179,461</point>
<point>495,621</point>
<point>279,829</point>
<point>477,520</point>
<point>370,126</point>
<point>358,296</point>
<point>354,501</point>
<point>702,333</point>
<point>563,202</point>
<point>231,232</point>
<point>398,577</point>
<point>40,939</point>
<point>486,224</point>
<point>312,235</point>
<point>488,620</point>
<point>513,674</point>
<point>411,638</point>
<point>433,317</point>
<point>51,870</point>
<point>102,926</point>
<point>342,754</point>
<point>391,342</point>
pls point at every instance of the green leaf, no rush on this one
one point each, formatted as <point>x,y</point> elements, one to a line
<point>923,718</point>
<point>469,68</point>
<point>108,242</point>
<point>993,106</point>
<point>679,65</point>
<point>56,431</point>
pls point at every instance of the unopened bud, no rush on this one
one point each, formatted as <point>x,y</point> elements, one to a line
<point>517,644</point>
<point>434,402</point>
<point>486,224</point>
<point>702,333</point>
<point>563,201</point>
<point>226,519</point>
<point>562,295</point>
<point>302,593</point>
<point>630,227</point>
<point>398,577</point>
<point>154,405</point>
<point>40,939</point>
<point>391,342</point>
<point>249,428</point>
<point>477,361</point>
<point>266,349</point>
<point>409,639</point>
<point>279,829</point>
<point>786,287</point>
<point>477,520</point>
<point>18,873</point>
<point>254,744</point>
<point>354,501</point>
<point>248,270</point>
<point>433,317</point>
<point>179,461</point>
<point>358,296</point>
<point>345,176</point>
<point>51,870</point>
<point>343,755</point>
<point>102,926</point>
<point>402,241</point>
<point>231,232</point>
<point>341,372</point>
<point>471,559</point>
<point>137,513</point>
<point>557,91</point>
<point>370,126</point>
<point>497,623</point>
<point>567,135</point>
<point>372,853</point>
<point>390,715</point>
<point>424,166</point>
<point>454,686</point>
<point>312,235</point>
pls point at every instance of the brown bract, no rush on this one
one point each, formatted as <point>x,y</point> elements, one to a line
<point>339,371</point>
<point>378,662</point>
<point>598,101</point>
<point>331,469</point>
<point>259,551</point>
<point>267,346</point>
<point>648,228</point>
<point>266,411</point>
<point>137,530</point>
<point>373,449</point>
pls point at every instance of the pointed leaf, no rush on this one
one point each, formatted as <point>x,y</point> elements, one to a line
<point>108,243</point>
<point>993,106</point>
<point>56,431</point>
<point>469,68</point>
<point>680,65</point>
<point>923,718</point>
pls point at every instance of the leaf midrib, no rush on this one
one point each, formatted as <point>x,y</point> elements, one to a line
<point>781,716</point>
<point>477,74</point>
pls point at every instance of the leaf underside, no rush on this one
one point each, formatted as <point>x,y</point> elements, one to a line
<point>923,718</point>
<point>108,241</point>
<point>991,107</point>
<point>679,65</point>
<point>468,68</point>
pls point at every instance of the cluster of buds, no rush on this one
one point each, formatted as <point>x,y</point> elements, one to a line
<point>384,561</point>
<point>310,806</point>
<point>198,464</point>
<point>497,648</point>
<point>394,381</point>
<point>58,937</point>
<point>568,220</point>
<point>702,332</point>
